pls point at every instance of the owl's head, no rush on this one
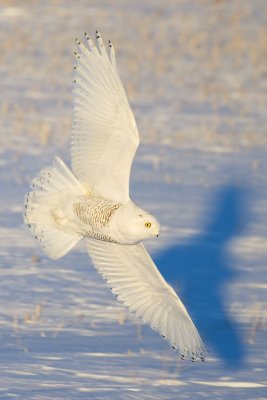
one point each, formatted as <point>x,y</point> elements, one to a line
<point>133,224</point>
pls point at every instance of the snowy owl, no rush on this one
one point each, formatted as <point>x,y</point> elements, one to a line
<point>92,200</point>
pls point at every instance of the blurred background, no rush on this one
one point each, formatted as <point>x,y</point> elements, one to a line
<point>195,72</point>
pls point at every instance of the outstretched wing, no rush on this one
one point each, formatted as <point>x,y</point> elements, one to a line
<point>104,132</point>
<point>134,278</point>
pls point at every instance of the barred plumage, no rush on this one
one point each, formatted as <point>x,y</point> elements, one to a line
<point>95,211</point>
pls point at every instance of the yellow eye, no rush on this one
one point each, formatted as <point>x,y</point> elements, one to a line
<point>148,224</point>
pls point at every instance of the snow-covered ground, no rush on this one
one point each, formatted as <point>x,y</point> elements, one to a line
<point>196,76</point>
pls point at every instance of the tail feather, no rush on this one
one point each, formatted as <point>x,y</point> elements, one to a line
<point>44,213</point>
<point>57,177</point>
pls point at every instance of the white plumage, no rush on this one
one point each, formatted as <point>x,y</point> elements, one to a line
<point>93,201</point>
<point>104,132</point>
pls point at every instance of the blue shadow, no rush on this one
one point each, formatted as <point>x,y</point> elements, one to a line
<point>201,271</point>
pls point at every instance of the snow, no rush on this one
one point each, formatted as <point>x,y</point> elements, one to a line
<point>195,73</point>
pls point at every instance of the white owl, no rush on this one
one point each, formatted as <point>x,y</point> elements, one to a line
<point>92,201</point>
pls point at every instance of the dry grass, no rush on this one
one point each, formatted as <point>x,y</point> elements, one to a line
<point>196,72</point>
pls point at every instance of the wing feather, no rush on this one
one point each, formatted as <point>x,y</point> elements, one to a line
<point>104,132</point>
<point>134,278</point>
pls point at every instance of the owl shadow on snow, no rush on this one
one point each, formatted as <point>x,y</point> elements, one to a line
<point>200,270</point>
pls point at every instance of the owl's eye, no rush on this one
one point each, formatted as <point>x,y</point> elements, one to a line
<point>148,224</point>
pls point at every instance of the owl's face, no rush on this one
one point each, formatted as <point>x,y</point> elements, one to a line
<point>133,224</point>
<point>146,224</point>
